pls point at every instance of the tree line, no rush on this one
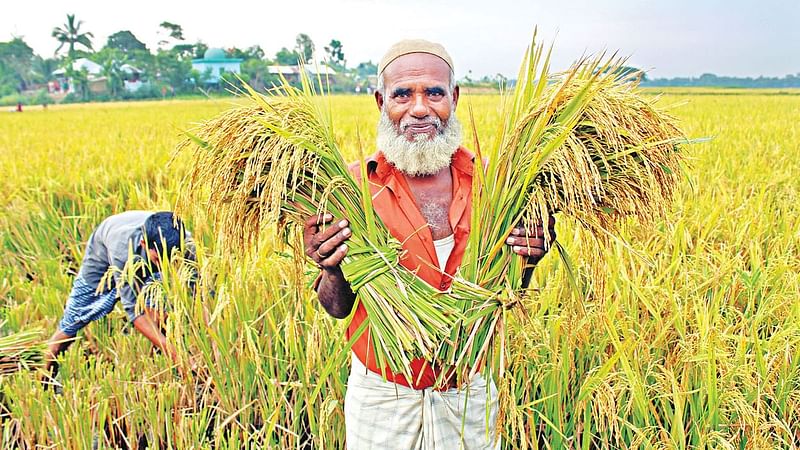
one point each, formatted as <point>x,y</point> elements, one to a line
<point>166,69</point>
<point>712,80</point>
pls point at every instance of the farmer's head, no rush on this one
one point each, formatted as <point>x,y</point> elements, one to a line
<point>417,96</point>
<point>163,233</point>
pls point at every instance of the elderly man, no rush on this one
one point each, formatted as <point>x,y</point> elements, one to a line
<point>143,236</point>
<point>421,180</point>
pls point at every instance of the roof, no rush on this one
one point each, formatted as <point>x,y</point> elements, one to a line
<point>320,69</point>
<point>127,68</point>
<point>82,63</point>
<point>284,70</point>
<point>216,55</point>
<point>315,69</point>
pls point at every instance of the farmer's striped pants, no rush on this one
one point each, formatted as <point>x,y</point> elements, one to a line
<point>85,305</point>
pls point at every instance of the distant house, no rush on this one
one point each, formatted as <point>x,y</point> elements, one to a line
<point>132,78</point>
<point>290,73</point>
<point>97,82</point>
<point>62,84</point>
<point>214,63</point>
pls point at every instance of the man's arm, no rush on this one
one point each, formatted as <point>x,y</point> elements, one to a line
<point>531,245</point>
<point>148,325</point>
<point>325,245</point>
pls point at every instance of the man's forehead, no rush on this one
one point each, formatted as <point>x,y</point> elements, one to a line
<point>417,65</point>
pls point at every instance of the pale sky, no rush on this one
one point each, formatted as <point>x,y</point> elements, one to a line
<point>669,38</point>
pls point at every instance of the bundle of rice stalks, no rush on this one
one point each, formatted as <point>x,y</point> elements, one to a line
<point>582,143</point>
<point>276,161</point>
<point>24,350</point>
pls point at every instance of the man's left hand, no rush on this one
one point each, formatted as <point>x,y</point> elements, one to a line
<point>530,242</point>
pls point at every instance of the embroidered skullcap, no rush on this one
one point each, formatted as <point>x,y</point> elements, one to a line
<point>407,46</point>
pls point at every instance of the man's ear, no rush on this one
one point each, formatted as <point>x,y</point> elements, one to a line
<point>455,97</point>
<point>379,99</point>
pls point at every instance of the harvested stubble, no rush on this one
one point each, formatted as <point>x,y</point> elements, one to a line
<point>582,143</point>
<point>24,350</point>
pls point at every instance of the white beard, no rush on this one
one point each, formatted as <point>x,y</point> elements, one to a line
<point>425,155</point>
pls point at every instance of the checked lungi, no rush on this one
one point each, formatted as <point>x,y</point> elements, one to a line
<point>86,305</point>
<point>384,415</point>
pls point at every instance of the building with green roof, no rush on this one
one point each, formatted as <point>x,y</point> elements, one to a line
<point>214,63</point>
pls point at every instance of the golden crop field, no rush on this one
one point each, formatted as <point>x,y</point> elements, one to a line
<point>695,343</point>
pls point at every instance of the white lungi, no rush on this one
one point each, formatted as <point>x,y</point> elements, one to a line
<point>383,415</point>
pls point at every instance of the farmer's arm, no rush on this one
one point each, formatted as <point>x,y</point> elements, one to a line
<point>147,323</point>
<point>530,244</point>
<point>325,245</point>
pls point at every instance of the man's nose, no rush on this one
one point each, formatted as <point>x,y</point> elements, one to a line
<point>420,107</point>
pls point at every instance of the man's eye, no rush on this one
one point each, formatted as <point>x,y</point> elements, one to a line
<point>435,93</point>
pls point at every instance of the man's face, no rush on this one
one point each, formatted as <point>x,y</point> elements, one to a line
<point>417,97</point>
<point>153,256</point>
<point>418,132</point>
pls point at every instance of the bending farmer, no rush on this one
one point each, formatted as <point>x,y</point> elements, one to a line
<point>138,239</point>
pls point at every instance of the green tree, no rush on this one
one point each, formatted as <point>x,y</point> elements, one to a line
<point>335,53</point>
<point>252,52</point>
<point>256,71</point>
<point>43,68</point>
<point>184,51</point>
<point>80,81</point>
<point>112,60</point>
<point>626,71</point>
<point>187,52</point>
<point>304,46</point>
<point>172,71</point>
<point>286,57</point>
<point>366,69</point>
<point>70,34</point>
<point>125,41</point>
<point>200,49</point>
<point>16,62</point>
<point>173,31</point>
<point>235,52</point>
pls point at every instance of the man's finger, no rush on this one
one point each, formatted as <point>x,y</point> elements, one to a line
<point>535,232</point>
<point>528,251</point>
<point>319,219</point>
<point>525,242</point>
<point>330,245</point>
<point>329,232</point>
<point>335,258</point>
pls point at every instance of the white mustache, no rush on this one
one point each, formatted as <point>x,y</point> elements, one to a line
<point>431,120</point>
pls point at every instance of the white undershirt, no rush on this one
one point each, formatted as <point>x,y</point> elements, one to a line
<point>444,247</point>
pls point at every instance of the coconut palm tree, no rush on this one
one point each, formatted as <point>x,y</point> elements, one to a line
<point>69,34</point>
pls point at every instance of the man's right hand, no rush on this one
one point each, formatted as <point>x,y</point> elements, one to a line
<point>325,241</point>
